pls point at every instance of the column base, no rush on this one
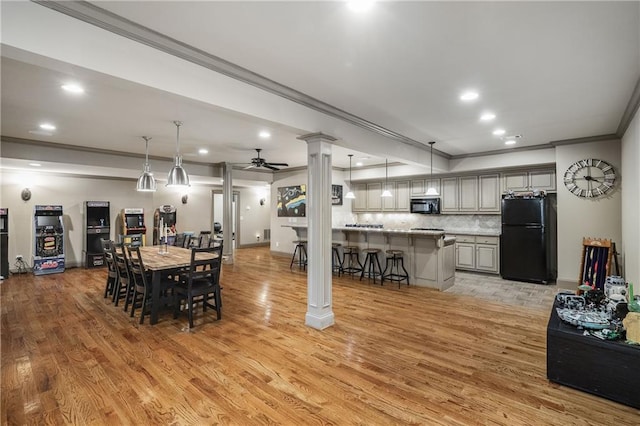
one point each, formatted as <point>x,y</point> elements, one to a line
<point>319,322</point>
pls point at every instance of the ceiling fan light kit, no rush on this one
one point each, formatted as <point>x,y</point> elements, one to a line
<point>261,162</point>
<point>178,176</point>
<point>146,181</point>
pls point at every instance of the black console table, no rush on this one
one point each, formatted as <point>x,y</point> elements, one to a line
<point>610,369</point>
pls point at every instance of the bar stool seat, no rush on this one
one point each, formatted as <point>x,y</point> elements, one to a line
<point>371,265</point>
<point>351,260</point>
<point>301,252</point>
<point>336,262</point>
<point>395,260</point>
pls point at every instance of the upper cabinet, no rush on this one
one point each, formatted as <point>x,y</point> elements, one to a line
<point>471,194</point>
<point>523,181</point>
<point>468,194</point>
<point>369,197</point>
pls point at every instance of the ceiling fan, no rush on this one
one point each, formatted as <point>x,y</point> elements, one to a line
<point>261,162</point>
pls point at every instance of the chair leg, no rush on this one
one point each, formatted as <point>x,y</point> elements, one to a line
<point>190,307</point>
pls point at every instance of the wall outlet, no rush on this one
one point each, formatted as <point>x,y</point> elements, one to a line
<point>277,244</point>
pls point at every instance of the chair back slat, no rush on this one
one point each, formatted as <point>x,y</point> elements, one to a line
<point>136,266</point>
<point>204,269</point>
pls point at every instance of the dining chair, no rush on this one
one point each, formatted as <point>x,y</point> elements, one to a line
<point>204,238</point>
<point>124,286</point>
<point>142,284</point>
<point>112,272</point>
<point>201,283</point>
<point>179,242</point>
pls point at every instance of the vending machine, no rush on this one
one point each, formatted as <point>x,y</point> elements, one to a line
<point>97,227</point>
<point>4,243</point>
<point>49,240</point>
<point>133,223</point>
<point>166,215</point>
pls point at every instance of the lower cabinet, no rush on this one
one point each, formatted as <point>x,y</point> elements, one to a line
<point>477,253</point>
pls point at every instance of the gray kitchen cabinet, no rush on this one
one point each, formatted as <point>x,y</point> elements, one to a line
<point>449,195</point>
<point>374,199</point>
<point>477,253</point>
<point>529,180</point>
<point>465,256</point>
<point>418,187</point>
<point>360,202</point>
<point>468,192</point>
<point>399,201</point>
<point>402,196</point>
<point>489,193</point>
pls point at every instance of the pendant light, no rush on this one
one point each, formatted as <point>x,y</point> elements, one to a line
<point>146,182</point>
<point>386,193</point>
<point>431,191</point>
<point>350,194</point>
<point>178,176</point>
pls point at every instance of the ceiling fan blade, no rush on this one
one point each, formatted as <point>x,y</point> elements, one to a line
<point>269,166</point>
<point>278,164</point>
<point>250,166</point>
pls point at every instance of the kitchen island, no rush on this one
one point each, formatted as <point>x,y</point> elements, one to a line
<point>429,256</point>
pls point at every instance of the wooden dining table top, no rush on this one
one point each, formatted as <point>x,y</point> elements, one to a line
<point>175,257</point>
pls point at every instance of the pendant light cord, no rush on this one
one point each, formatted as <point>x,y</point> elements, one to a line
<point>178,124</point>
<point>146,149</point>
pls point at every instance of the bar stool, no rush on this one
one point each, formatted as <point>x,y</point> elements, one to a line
<point>371,262</point>
<point>301,251</point>
<point>336,263</point>
<point>351,258</point>
<point>395,259</point>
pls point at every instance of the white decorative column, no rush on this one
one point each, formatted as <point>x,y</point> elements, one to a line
<point>227,213</point>
<point>319,280</point>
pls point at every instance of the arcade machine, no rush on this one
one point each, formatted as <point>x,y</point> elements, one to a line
<point>133,224</point>
<point>4,243</point>
<point>97,227</point>
<point>166,214</point>
<point>49,240</point>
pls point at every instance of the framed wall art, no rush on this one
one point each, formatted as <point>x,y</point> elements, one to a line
<point>292,201</point>
<point>336,195</point>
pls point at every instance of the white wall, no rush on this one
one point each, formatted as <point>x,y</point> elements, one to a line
<point>254,218</point>
<point>631,202</point>
<point>72,191</point>
<point>581,217</point>
<point>282,237</point>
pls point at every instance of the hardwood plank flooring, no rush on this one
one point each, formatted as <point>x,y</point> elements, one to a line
<point>395,356</point>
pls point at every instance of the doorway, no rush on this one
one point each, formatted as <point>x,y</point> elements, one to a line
<point>218,213</point>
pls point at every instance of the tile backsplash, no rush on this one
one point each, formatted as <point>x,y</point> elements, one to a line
<point>450,223</point>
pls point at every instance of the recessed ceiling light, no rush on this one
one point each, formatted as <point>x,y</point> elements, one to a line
<point>487,116</point>
<point>35,164</point>
<point>360,5</point>
<point>203,151</point>
<point>510,142</point>
<point>47,126</point>
<point>73,88</point>
<point>499,132</point>
<point>359,164</point>
<point>469,96</point>
<point>264,134</point>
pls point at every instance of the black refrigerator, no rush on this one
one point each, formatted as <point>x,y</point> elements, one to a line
<point>528,248</point>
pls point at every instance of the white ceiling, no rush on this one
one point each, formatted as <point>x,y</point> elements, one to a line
<point>549,71</point>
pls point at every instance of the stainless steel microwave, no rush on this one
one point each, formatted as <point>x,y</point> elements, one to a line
<point>425,205</point>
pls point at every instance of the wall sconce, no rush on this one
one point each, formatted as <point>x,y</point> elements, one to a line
<point>262,201</point>
<point>185,198</point>
<point>25,194</point>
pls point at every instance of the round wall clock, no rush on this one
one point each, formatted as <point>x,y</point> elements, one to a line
<point>590,178</point>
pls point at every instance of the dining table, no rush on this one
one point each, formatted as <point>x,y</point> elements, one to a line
<point>162,261</point>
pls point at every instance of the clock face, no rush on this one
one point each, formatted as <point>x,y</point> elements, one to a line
<point>590,178</point>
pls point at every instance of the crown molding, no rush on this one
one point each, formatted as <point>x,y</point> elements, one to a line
<point>630,111</point>
<point>585,140</point>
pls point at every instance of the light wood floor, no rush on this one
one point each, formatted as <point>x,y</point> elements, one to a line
<point>394,356</point>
